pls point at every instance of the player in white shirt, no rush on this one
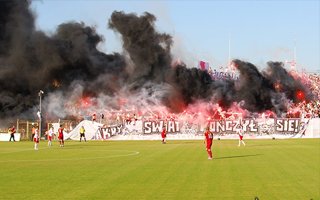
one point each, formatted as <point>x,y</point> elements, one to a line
<point>50,134</point>
<point>240,132</point>
<point>36,138</point>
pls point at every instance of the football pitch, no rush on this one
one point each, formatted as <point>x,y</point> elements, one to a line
<point>263,169</point>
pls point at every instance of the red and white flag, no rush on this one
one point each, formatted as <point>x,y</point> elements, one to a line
<point>203,65</point>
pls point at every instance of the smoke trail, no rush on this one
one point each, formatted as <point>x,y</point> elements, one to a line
<point>149,50</point>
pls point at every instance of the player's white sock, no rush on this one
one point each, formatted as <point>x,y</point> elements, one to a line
<point>244,144</point>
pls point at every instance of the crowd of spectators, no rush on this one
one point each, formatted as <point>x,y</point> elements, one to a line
<point>308,108</point>
<point>303,109</point>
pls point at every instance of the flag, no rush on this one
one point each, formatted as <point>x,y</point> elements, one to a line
<point>203,65</point>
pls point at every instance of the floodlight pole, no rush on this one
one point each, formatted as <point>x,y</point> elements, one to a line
<point>40,115</point>
<point>295,56</point>
<point>229,54</point>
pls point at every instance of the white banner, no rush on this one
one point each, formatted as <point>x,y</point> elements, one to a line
<point>6,137</point>
<point>253,128</point>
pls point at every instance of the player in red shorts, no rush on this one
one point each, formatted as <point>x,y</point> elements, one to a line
<point>208,142</point>
<point>240,133</point>
<point>60,136</point>
<point>36,138</point>
<point>164,134</point>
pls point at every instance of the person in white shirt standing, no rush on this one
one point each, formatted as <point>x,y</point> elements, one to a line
<point>36,138</point>
<point>240,132</point>
<point>50,135</point>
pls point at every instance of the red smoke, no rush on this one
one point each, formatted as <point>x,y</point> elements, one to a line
<point>85,102</point>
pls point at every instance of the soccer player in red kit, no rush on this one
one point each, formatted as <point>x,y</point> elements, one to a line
<point>164,134</point>
<point>60,136</point>
<point>12,131</point>
<point>208,142</point>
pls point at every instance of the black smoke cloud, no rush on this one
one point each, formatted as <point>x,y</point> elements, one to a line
<point>30,60</point>
<point>150,53</point>
<point>148,50</point>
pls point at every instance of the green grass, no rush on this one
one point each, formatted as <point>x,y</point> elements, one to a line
<point>267,169</point>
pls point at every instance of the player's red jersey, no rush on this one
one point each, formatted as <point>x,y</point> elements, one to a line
<point>241,137</point>
<point>60,132</point>
<point>209,138</point>
<point>163,133</point>
<point>12,130</point>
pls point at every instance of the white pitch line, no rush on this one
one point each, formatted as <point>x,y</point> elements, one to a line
<point>133,153</point>
<point>29,149</point>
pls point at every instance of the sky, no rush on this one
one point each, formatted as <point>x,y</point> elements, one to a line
<point>212,31</point>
